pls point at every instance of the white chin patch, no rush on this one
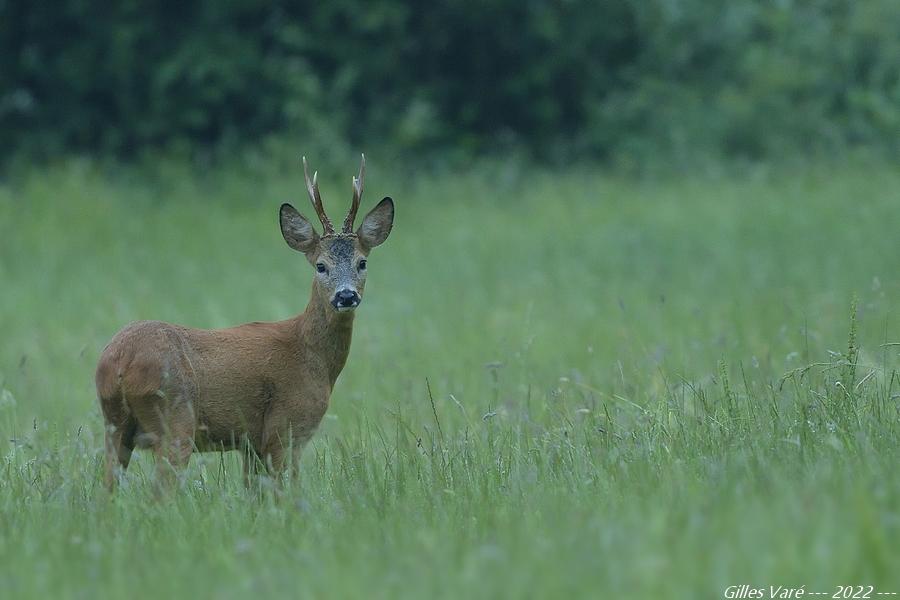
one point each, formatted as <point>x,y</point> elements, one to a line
<point>345,308</point>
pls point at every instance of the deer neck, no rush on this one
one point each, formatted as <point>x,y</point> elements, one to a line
<point>326,332</point>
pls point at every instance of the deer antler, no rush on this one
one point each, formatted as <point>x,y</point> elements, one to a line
<point>357,196</point>
<point>312,187</point>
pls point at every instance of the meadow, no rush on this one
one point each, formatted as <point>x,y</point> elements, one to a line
<point>562,384</point>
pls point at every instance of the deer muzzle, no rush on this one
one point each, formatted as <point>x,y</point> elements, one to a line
<point>346,299</point>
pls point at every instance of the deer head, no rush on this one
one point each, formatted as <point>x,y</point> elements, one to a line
<point>340,259</point>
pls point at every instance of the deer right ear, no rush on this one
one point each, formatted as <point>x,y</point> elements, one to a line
<point>297,231</point>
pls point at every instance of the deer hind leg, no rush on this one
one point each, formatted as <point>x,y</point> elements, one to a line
<point>168,426</point>
<point>173,456</point>
<point>119,446</point>
<point>119,438</point>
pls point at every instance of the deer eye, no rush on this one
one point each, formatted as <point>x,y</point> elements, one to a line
<point>321,268</point>
<point>362,265</point>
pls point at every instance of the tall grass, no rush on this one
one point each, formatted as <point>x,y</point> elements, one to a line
<point>561,383</point>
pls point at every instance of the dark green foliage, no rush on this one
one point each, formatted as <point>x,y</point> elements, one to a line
<point>613,79</point>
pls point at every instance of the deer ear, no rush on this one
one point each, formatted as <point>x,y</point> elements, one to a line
<point>375,228</point>
<point>297,231</point>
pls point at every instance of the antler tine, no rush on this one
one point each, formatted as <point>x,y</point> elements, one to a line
<point>357,196</point>
<point>312,187</point>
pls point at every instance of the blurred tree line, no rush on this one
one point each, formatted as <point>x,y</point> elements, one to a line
<point>558,78</point>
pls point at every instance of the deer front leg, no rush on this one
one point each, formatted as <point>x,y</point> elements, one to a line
<point>252,463</point>
<point>275,456</point>
<point>282,453</point>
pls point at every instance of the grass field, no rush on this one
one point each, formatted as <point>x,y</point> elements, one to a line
<point>621,407</point>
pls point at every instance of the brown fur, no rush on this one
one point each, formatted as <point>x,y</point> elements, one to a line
<point>263,387</point>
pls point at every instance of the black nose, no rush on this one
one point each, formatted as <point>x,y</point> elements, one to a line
<point>345,299</point>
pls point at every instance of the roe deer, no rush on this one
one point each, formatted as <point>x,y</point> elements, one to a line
<point>263,387</point>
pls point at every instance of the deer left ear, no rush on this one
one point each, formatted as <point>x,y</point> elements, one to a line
<point>375,228</point>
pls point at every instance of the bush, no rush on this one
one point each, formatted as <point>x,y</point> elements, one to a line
<point>630,78</point>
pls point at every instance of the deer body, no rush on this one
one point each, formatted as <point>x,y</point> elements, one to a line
<point>263,387</point>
